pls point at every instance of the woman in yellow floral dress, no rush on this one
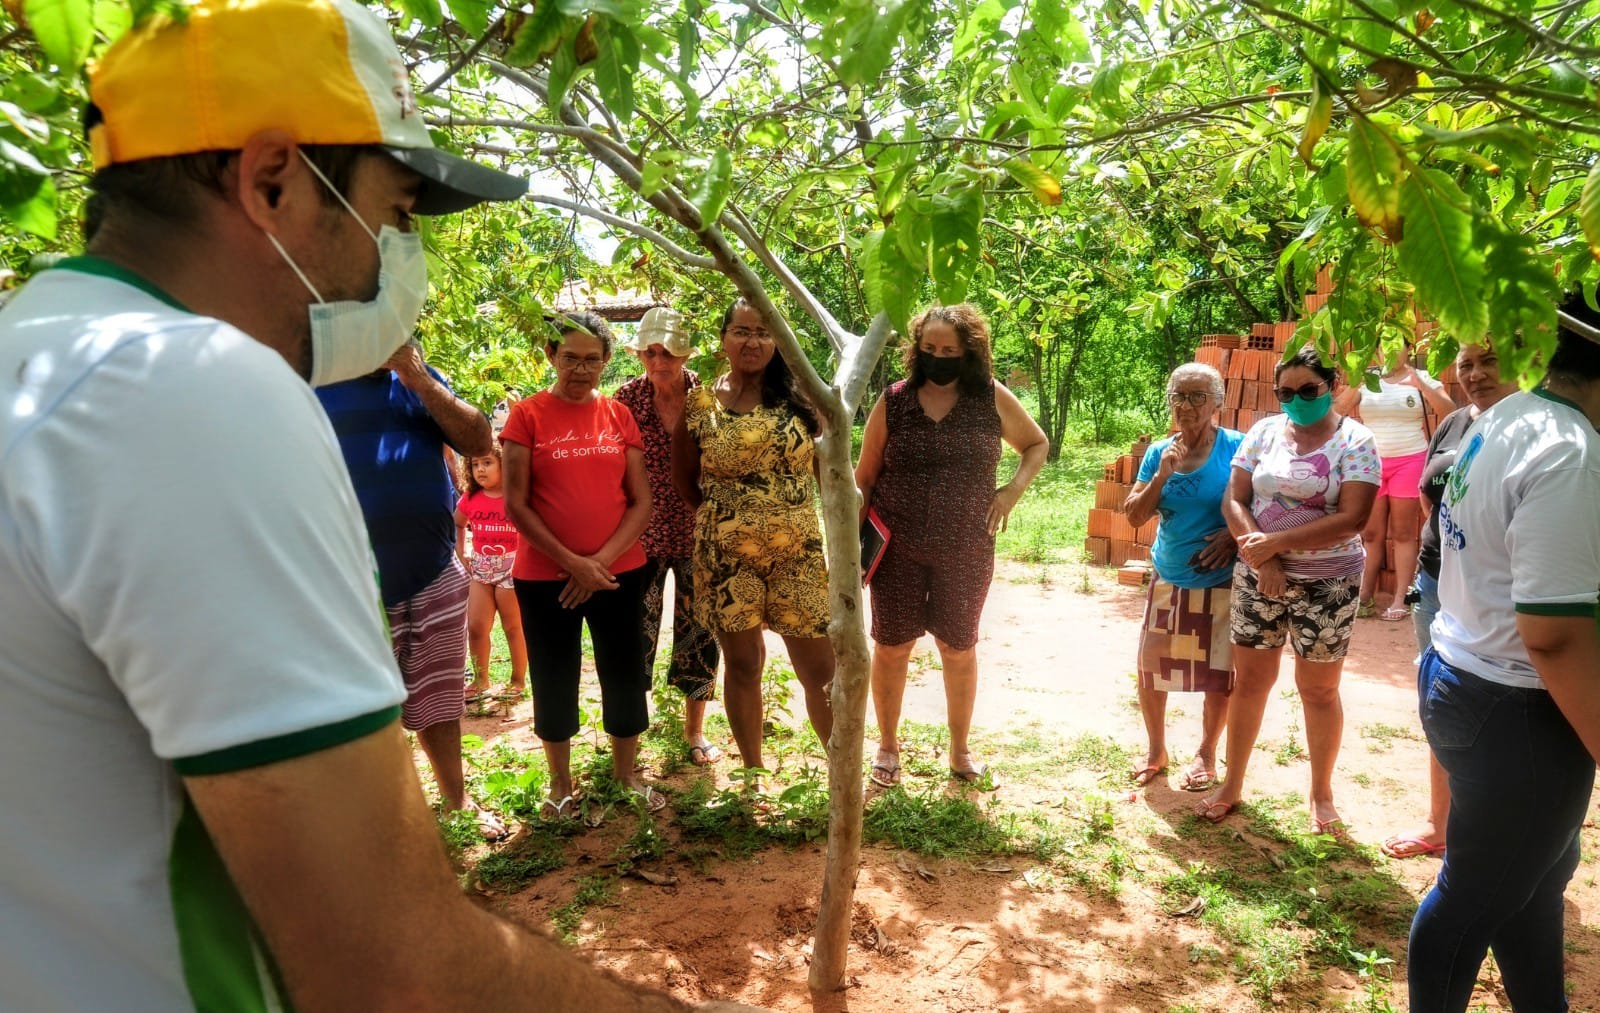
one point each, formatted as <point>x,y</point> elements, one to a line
<point>742,456</point>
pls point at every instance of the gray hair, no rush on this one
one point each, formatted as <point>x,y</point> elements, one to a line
<point>1198,371</point>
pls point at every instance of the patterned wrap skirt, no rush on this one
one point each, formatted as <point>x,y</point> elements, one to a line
<point>1184,644</point>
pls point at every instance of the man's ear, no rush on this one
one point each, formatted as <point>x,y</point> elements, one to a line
<point>273,185</point>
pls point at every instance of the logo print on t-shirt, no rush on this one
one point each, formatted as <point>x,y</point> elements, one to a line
<point>1457,486</point>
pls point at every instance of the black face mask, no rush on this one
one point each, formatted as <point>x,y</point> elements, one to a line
<point>937,370</point>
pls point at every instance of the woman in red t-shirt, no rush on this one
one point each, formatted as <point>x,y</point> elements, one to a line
<point>579,495</point>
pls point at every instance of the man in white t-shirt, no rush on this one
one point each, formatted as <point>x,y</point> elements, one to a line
<point>208,800</point>
<point>1510,689</point>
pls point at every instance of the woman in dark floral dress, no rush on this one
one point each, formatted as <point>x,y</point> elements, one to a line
<point>927,467</point>
<point>656,400</point>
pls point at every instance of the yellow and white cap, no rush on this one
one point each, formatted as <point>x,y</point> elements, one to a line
<point>325,71</point>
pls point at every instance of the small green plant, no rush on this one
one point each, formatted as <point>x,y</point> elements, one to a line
<point>460,832</point>
<point>592,890</point>
<point>1372,967</point>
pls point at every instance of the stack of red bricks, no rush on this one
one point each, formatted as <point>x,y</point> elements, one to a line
<point>1112,540</point>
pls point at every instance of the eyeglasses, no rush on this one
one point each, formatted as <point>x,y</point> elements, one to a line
<point>1310,392</point>
<point>574,363</point>
<point>1193,398</point>
<point>750,334</point>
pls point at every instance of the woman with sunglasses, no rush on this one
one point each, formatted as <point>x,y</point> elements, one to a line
<point>1302,485</point>
<point>656,399</point>
<point>743,457</point>
<point>1183,641</point>
<point>579,495</point>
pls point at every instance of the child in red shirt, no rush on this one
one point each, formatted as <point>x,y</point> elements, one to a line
<point>494,550</point>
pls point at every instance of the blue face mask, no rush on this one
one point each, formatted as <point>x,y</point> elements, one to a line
<point>1308,413</point>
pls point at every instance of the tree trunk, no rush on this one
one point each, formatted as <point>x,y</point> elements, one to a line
<point>841,503</point>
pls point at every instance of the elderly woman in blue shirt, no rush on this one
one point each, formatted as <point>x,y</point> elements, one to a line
<point>1183,642</point>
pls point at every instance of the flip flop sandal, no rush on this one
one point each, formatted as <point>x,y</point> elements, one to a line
<point>1395,615</point>
<point>1215,812</point>
<point>652,800</point>
<point>1409,846</point>
<point>1199,780</point>
<point>1330,828</point>
<point>1144,775</point>
<point>704,756</point>
<point>558,810</point>
<point>970,776</point>
<point>1367,609</point>
<point>885,776</point>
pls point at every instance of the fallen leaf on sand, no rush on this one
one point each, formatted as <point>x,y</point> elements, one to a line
<point>994,867</point>
<point>925,872</point>
<point>654,878</point>
<point>1191,909</point>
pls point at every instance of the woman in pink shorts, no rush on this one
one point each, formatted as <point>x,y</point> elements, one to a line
<point>1396,414</point>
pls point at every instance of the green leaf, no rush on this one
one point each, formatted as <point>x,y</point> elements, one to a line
<point>64,28</point>
<point>890,281</point>
<point>112,19</point>
<point>1439,257</point>
<point>711,194</point>
<point>473,15</point>
<point>622,10</point>
<point>564,72</point>
<point>867,36</point>
<point>957,220</point>
<point>1046,188</point>
<point>425,11</point>
<point>1372,177</point>
<point>29,202</point>
<point>979,27</point>
<point>540,34</point>
<point>1589,209</point>
<point>613,76</point>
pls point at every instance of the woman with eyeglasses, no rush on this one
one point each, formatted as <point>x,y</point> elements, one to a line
<point>656,399</point>
<point>1301,488</point>
<point>579,494</point>
<point>743,458</point>
<point>1183,642</point>
<point>928,460</point>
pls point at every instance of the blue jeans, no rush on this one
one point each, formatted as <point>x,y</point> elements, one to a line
<point>1520,781</point>
<point>1425,609</point>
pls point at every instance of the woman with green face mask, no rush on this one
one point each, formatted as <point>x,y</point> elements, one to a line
<point>1302,486</point>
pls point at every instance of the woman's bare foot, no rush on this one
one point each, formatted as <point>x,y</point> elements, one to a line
<point>1151,767</point>
<point>1325,818</point>
<point>1426,840</point>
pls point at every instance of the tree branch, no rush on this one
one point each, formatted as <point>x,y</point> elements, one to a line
<point>645,232</point>
<point>466,57</point>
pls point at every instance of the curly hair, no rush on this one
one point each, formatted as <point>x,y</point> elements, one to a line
<point>972,330</point>
<point>777,383</point>
<point>583,322</point>
<point>471,479</point>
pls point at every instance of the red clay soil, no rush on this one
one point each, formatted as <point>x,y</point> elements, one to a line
<point>947,935</point>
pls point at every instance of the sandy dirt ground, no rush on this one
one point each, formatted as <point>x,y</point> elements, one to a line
<point>954,935</point>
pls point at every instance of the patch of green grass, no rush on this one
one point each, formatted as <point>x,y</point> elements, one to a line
<point>460,832</point>
<point>734,823</point>
<point>592,890</point>
<point>1298,904</point>
<point>1381,736</point>
<point>1049,522</point>
<point>932,823</point>
<point>1095,752</point>
<point>534,855</point>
